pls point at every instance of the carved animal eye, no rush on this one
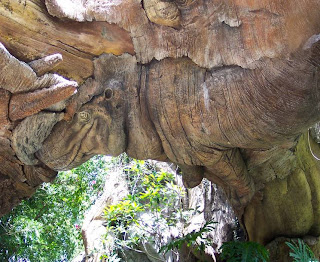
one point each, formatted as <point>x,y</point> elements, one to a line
<point>108,93</point>
<point>84,116</point>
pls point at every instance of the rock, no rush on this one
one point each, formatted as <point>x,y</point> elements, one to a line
<point>93,229</point>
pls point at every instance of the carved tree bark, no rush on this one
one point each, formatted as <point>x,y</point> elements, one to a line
<point>225,89</point>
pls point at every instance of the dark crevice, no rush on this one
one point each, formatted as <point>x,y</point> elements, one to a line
<point>264,11</point>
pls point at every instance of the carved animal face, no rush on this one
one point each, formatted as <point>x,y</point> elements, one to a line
<point>97,128</point>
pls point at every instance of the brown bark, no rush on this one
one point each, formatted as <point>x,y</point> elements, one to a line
<point>31,33</point>
<point>222,88</point>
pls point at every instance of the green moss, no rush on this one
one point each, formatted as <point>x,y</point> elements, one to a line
<point>290,206</point>
<point>311,167</point>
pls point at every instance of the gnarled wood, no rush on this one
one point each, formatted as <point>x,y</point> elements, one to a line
<point>226,94</point>
<point>212,34</point>
<point>20,140</point>
<point>27,25</point>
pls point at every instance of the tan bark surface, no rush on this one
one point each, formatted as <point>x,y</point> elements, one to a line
<point>31,33</point>
<point>222,88</point>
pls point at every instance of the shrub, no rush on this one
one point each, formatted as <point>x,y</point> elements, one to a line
<point>197,240</point>
<point>238,251</point>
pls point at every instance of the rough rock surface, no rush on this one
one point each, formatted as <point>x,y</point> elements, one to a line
<point>93,229</point>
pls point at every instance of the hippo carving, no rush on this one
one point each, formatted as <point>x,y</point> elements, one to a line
<point>206,121</point>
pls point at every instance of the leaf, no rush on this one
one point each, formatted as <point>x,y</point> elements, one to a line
<point>300,251</point>
<point>189,239</point>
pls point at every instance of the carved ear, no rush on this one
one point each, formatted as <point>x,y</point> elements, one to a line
<point>30,134</point>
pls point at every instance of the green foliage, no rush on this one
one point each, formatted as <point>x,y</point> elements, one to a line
<point>197,239</point>
<point>122,214</point>
<point>47,226</point>
<point>153,193</point>
<point>111,258</point>
<point>301,252</point>
<point>237,251</point>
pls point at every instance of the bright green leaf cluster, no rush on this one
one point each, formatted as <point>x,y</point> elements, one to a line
<point>122,214</point>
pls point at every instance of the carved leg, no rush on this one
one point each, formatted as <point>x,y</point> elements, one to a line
<point>231,173</point>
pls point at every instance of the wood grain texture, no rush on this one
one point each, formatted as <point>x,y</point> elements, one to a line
<point>213,32</point>
<point>45,64</point>
<point>197,118</point>
<point>30,33</point>
<point>4,108</point>
<point>27,104</point>
<point>28,136</point>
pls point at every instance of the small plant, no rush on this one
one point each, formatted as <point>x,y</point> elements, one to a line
<point>301,252</point>
<point>238,251</point>
<point>122,214</point>
<point>196,239</point>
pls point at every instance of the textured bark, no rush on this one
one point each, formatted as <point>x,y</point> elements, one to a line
<point>225,89</point>
<point>28,31</point>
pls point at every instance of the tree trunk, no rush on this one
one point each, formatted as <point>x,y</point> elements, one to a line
<point>225,89</point>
